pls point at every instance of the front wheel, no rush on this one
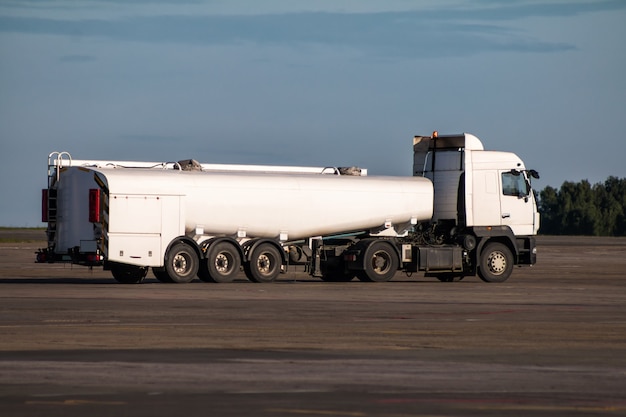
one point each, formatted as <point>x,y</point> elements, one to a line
<point>181,263</point>
<point>265,263</point>
<point>496,263</point>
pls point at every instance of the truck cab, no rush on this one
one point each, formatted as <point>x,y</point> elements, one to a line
<point>479,195</point>
<point>474,187</point>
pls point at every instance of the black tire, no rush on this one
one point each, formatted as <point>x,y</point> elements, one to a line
<point>161,275</point>
<point>496,263</point>
<point>265,263</point>
<point>380,263</point>
<point>181,263</point>
<point>222,263</point>
<point>127,274</point>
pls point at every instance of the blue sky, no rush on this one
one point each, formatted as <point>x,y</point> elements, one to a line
<point>289,82</point>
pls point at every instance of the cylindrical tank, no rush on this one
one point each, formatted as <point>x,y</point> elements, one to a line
<point>288,207</point>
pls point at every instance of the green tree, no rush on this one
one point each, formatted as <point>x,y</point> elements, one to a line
<point>549,206</point>
<point>584,209</point>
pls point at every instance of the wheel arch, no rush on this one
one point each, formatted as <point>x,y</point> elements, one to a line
<point>204,247</point>
<point>250,245</point>
<point>500,234</point>
<point>186,240</point>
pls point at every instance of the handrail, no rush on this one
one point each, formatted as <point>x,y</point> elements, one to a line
<point>55,160</point>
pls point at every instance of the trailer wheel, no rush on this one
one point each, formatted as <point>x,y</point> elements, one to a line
<point>264,265</point>
<point>181,263</point>
<point>222,263</point>
<point>496,263</point>
<point>381,263</point>
<point>127,274</point>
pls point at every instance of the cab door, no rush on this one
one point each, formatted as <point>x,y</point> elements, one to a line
<point>517,203</point>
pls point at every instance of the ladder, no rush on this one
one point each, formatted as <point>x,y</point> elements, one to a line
<point>56,160</point>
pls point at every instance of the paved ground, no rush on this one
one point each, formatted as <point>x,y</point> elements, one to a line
<point>550,341</point>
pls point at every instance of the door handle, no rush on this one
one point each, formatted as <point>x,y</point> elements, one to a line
<point>506,215</point>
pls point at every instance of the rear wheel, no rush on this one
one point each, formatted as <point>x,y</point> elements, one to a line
<point>265,263</point>
<point>381,263</point>
<point>496,263</point>
<point>222,263</point>
<point>181,263</point>
<point>127,274</point>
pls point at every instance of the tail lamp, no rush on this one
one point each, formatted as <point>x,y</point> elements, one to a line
<point>94,205</point>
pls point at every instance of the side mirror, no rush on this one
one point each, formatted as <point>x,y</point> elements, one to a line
<point>533,174</point>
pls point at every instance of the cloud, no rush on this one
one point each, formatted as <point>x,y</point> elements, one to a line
<point>508,10</point>
<point>445,31</point>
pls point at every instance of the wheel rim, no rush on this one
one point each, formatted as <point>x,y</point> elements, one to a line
<point>222,263</point>
<point>497,263</point>
<point>381,262</point>
<point>265,264</point>
<point>180,264</point>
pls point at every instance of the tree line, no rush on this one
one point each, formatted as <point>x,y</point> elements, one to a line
<point>584,209</point>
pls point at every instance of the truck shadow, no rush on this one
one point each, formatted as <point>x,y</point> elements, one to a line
<point>58,280</point>
<point>148,280</point>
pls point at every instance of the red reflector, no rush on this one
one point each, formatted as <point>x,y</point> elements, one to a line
<point>93,257</point>
<point>94,205</point>
<point>44,205</point>
<point>349,258</point>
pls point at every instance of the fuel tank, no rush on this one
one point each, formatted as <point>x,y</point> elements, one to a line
<point>284,206</point>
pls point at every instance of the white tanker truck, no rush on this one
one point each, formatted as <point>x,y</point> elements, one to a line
<point>465,211</point>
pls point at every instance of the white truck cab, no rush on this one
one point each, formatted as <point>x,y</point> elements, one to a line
<point>475,187</point>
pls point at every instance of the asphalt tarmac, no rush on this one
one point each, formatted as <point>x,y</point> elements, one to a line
<point>551,341</point>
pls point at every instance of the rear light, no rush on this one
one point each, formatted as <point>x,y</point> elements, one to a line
<point>350,257</point>
<point>44,205</point>
<point>94,205</point>
<point>94,257</point>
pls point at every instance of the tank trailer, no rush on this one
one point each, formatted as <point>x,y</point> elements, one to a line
<point>465,211</point>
